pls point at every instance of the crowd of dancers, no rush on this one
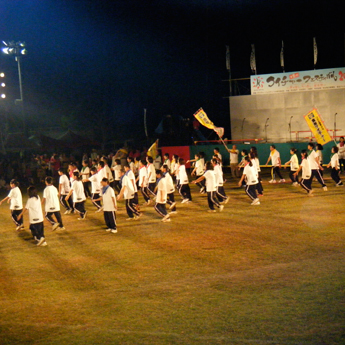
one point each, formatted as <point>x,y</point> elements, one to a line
<point>157,183</point>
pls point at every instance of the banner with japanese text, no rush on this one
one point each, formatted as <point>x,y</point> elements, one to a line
<point>317,127</point>
<point>321,79</point>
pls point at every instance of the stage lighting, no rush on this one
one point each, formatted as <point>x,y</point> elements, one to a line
<point>3,95</point>
<point>2,75</point>
<point>3,84</point>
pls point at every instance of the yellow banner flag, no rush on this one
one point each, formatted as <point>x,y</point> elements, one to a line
<point>317,127</point>
<point>201,116</point>
<point>153,150</point>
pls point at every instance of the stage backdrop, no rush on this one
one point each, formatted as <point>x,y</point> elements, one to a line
<point>249,114</point>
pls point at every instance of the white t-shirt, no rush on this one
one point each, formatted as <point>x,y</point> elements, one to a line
<point>183,175</point>
<point>255,166</point>
<point>312,160</point>
<point>341,151</point>
<point>131,176</point>
<point>52,204</point>
<point>199,167</point>
<point>251,175</point>
<point>167,162</point>
<point>16,202</point>
<point>294,165</point>
<point>78,191</point>
<point>117,169</point>
<point>169,183</point>
<point>335,161</point>
<point>306,171</point>
<point>142,177</point>
<point>86,171</point>
<point>219,175</point>
<point>161,192</point>
<point>210,180</point>
<point>33,205</point>
<point>318,153</point>
<point>274,157</point>
<point>95,183</point>
<point>102,173</point>
<point>129,192</point>
<point>234,156</point>
<point>65,186</point>
<point>109,173</point>
<point>157,162</point>
<point>108,199</point>
<point>151,173</point>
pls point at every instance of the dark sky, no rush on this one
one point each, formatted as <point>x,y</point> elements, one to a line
<point>90,60</point>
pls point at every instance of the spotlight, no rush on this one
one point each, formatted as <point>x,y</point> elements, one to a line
<point>3,95</point>
<point>3,84</point>
<point>2,75</point>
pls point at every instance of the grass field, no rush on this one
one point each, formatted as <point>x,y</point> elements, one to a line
<point>268,274</point>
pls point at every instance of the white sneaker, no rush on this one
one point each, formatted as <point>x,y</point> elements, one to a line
<point>166,220</point>
<point>40,241</point>
<point>99,210</point>
<point>113,231</point>
<point>172,205</point>
<point>282,180</point>
<point>325,188</point>
<point>211,211</point>
<point>184,201</point>
<point>255,201</point>
<point>44,244</point>
<point>165,217</point>
<point>310,193</point>
<point>55,226</point>
<point>108,230</point>
<point>148,202</point>
<point>258,203</point>
<point>67,212</point>
<point>130,218</point>
<point>227,200</point>
<point>221,208</point>
<point>19,227</point>
<point>62,228</point>
<point>272,181</point>
<point>295,184</point>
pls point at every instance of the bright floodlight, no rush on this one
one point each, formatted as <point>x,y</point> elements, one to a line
<point>6,50</point>
<point>3,84</point>
<point>3,95</point>
<point>2,75</point>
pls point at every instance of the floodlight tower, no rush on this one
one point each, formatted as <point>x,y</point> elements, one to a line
<point>17,49</point>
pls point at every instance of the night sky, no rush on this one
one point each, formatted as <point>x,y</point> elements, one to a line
<point>100,63</point>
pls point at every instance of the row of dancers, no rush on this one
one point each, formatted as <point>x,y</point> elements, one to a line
<point>156,186</point>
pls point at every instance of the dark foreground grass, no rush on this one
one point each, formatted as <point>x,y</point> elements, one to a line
<point>268,274</point>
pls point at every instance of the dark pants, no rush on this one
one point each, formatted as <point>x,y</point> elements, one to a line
<point>276,171</point>
<point>184,191</point>
<point>202,183</point>
<point>220,193</point>
<point>335,176</point>
<point>96,203</point>
<point>161,209</point>
<point>316,173</point>
<point>110,219</point>
<point>292,176</point>
<point>80,208</point>
<point>151,188</point>
<point>212,200</point>
<point>14,215</point>
<point>171,200</point>
<point>145,193</point>
<point>68,205</point>
<point>251,191</point>
<point>37,230</point>
<point>57,214</point>
<point>306,184</point>
<point>87,189</point>
<point>131,209</point>
<point>117,186</point>
<point>136,199</point>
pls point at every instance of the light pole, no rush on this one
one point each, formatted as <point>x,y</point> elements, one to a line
<point>2,95</point>
<point>17,49</point>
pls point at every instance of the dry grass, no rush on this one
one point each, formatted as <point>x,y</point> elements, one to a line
<point>268,274</point>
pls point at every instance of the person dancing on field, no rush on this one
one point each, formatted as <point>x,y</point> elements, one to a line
<point>250,174</point>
